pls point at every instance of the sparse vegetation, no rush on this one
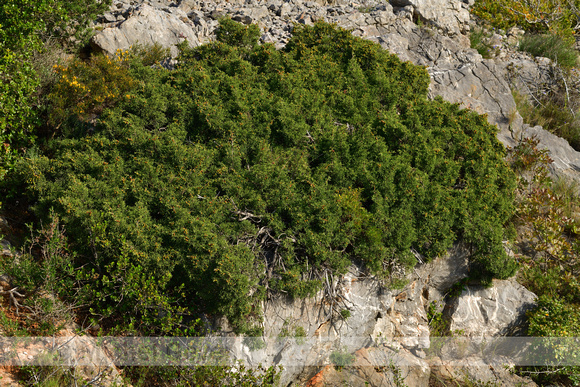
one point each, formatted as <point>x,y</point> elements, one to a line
<point>438,325</point>
<point>479,40</point>
<point>550,261</point>
<point>552,46</point>
<point>342,358</point>
<point>553,106</point>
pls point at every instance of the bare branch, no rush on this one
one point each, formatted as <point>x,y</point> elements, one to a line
<point>13,293</point>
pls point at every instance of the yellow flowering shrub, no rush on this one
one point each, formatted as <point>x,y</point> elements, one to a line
<point>85,88</point>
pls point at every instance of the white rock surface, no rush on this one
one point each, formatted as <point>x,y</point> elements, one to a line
<point>496,311</point>
<point>146,26</point>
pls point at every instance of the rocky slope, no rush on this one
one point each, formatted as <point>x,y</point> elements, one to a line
<point>431,33</point>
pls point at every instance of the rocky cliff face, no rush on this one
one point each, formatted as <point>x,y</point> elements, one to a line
<point>430,33</point>
<point>388,331</point>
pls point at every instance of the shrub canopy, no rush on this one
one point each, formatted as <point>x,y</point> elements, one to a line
<point>247,170</point>
<point>25,26</point>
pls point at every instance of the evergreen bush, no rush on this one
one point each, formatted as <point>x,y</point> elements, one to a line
<point>248,170</point>
<point>25,28</point>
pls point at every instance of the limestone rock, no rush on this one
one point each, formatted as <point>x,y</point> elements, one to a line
<point>479,86</point>
<point>6,282</point>
<point>5,248</point>
<point>376,366</point>
<point>566,159</point>
<point>252,15</point>
<point>480,373</point>
<point>442,273</point>
<point>89,358</point>
<point>450,16</point>
<point>147,26</point>
<point>500,310</point>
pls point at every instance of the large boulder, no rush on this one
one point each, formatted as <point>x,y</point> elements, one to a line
<point>500,310</point>
<point>566,159</point>
<point>147,25</point>
<point>449,16</point>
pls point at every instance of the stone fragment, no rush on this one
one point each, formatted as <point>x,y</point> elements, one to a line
<point>108,17</point>
<point>284,10</point>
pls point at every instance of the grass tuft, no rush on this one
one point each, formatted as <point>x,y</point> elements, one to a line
<point>551,46</point>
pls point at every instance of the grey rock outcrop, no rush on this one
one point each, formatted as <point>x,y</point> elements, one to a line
<point>458,73</point>
<point>496,311</point>
<point>376,315</point>
<point>147,25</point>
<point>386,330</point>
<point>449,16</point>
<point>566,160</point>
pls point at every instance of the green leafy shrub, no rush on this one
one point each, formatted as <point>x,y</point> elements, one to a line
<point>248,170</point>
<point>553,320</point>
<point>551,46</point>
<point>237,34</point>
<point>147,55</point>
<point>556,16</point>
<point>438,325</point>
<point>542,211</point>
<point>544,218</point>
<point>25,28</point>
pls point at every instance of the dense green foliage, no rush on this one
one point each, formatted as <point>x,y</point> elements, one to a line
<point>25,26</point>
<point>248,169</point>
<point>556,320</point>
